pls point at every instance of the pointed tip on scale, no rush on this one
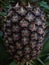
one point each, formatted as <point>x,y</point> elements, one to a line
<point>17,5</point>
<point>22,10</point>
<point>29,4</point>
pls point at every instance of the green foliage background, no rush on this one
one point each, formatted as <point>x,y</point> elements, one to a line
<point>43,58</point>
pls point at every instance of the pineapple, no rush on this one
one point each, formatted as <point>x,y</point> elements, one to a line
<point>24,31</point>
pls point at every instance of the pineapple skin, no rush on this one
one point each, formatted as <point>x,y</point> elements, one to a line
<point>24,31</point>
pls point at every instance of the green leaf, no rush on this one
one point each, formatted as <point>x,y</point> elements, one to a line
<point>34,0</point>
<point>47,63</point>
<point>3,52</point>
<point>43,2</point>
<point>2,14</point>
<point>47,23</point>
<point>47,58</point>
<point>12,63</point>
<point>46,48</point>
<point>44,5</point>
<point>1,33</point>
<point>47,15</point>
<point>40,61</point>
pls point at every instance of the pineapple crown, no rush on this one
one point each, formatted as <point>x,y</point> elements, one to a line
<point>24,1</point>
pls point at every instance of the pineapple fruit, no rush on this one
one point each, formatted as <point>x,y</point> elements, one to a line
<point>24,31</point>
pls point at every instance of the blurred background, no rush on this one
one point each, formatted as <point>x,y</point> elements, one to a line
<point>5,58</point>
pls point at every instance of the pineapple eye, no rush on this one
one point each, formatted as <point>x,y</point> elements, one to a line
<point>16,36</point>
<point>22,11</point>
<point>34,36</point>
<point>38,21</point>
<point>32,44</point>
<point>24,40</point>
<point>27,57</point>
<point>8,21</point>
<point>25,33</point>
<point>40,31</point>
<point>24,23</point>
<point>8,24</point>
<point>30,16</point>
<point>16,57</point>
<point>43,16</point>
<point>32,27</point>
<point>10,14</point>
<point>37,11</point>
<point>39,46</point>
<point>15,28</point>
<point>18,45</point>
<point>15,18</point>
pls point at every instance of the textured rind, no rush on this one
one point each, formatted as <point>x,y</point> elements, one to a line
<point>24,31</point>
